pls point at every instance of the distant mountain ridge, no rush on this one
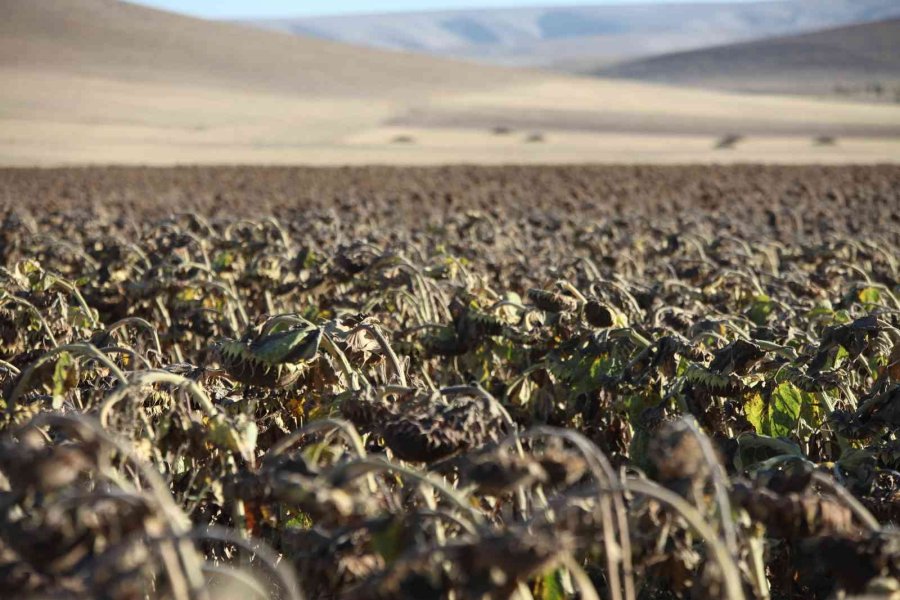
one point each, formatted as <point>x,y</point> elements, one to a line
<point>580,37</point>
<point>851,60</point>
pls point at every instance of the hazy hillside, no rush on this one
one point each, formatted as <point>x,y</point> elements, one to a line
<point>87,81</point>
<point>849,60</point>
<point>573,37</point>
<point>109,38</point>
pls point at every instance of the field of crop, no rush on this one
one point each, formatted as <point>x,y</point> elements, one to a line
<point>458,382</point>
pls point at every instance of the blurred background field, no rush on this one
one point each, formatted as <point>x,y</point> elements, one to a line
<point>101,81</point>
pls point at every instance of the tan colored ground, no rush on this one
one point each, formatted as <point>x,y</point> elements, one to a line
<point>96,81</point>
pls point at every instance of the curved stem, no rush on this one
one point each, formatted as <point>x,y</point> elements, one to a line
<point>73,289</point>
<point>506,303</point>
<point>359,467</point>
<point>603,472</point>
<point>345,427</point>
<point>719,479</point>
<point>141,323</point>
<point>385,347</point>
<point>636,338</point>
<point>177,521</point>
<point>572,290</point>
<point>730,571</point>
<point>352,376</point>
<point>262,551</point>
<point>134,354</point>
<point>34,310</point>
<point>855,506</point>
<point>585,585</point>
<point>141,378</point>
<point>10,367</point>
<point>80,349</point>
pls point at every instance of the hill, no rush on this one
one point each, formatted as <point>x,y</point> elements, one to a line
<point>99,81</point>
<point>113,39</point>
<point>579,37</point>
<point>848,60</point>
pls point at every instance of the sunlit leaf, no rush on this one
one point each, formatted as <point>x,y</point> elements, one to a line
<point>781,414</point>
<point>65,378</point>
<point>761,309</point>
<point>869,296</point>
<point>549,587</point>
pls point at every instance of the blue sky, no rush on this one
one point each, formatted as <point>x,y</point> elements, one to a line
<point>297,8</point>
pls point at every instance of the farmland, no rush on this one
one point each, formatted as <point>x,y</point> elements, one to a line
<point>471,382</point>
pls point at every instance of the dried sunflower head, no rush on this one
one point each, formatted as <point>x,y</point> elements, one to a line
<point>444,342</point>
<point>271,360</point>
<point>553,302</point>
<point>736,358</point>
<point>365,409</point>
<point>598,314</point>
<point>31,464</point>
<point>440,428</point>
<point>496,473</point>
